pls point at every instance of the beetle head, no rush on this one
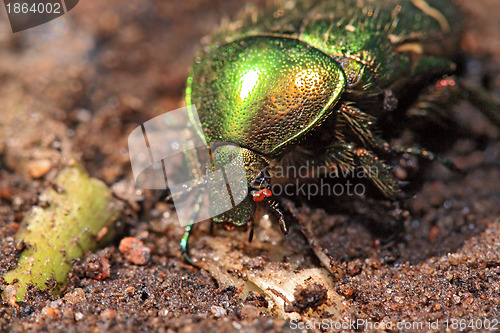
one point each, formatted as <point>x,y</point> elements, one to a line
<point>243,205</point>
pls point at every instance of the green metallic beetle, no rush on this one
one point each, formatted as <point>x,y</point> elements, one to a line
<point>309,80</point>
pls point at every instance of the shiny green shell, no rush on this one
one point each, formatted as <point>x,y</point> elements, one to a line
<point>278,73</point>
<point>262,92</point>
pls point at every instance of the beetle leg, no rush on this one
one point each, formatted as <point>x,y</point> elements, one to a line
<point>360,124</point>
<point>345,157</point>
<point>212,224</point>
<point>184,243</point>
<point>168,197</point>
<point>377,171</point>
<point>355,121</point>
<point>262,193</point>
<point>435,104</point>
<point>188,228</point>
<point>250,234</point>
<point>428,155</point>
<point>275,208</point>
<point>483,100</point>
<point>338,158</point>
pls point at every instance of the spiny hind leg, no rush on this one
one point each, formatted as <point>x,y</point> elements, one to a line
<point>355,146</point>
<point>483,100</point>
<point>436,104</point>
<point>344,158</point>
<point>354,121</point>
<point>377,171</point>
<point>427,155</point>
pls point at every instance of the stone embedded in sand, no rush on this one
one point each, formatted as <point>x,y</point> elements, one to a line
<point>39,168</point>
<point>134,251</point>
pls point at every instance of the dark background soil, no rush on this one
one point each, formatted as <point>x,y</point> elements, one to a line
<point>83,85</point>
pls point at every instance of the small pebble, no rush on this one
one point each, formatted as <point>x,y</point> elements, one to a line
<point>84,115</point>
<point>108,314</point>
<point>9,295</point>
<point>134,251</point>
<point>5,193</point>
<point>79,316</point>
<point>97,267</point>
<point>218,311</point>
<point>68,313</point>
<point>49,311</point>
<point>249,311</point>
<point>77,296</point>
<point>130,290</point>
<point>39,168</point>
